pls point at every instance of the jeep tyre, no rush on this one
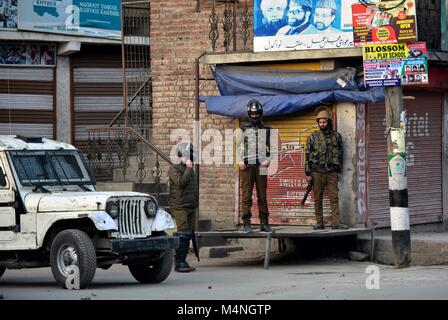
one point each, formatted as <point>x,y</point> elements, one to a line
<point>2,271</point>
<point>153,271</point>
<point>73,248</point>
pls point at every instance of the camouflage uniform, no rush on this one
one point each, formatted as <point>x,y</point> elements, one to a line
<point>253,147</point>
<point>324,157</point>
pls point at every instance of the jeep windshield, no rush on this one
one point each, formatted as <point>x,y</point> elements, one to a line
<point>51,168</point>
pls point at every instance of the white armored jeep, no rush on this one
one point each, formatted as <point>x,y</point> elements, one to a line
<point>51,215</point>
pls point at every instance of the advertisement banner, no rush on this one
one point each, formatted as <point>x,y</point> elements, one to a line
<point>29,55</point>
<point>283,25</point>
<point>8,15</point>
<point>395,64</point>
<point>94,18</point>
<point>383,22</point>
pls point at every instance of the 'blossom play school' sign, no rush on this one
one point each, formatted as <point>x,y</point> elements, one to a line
<point>395,64</point>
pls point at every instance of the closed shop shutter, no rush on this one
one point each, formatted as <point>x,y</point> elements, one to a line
<point>27,100</point>
<point>97,89</point>
<point>287,186</point>
<point>423,141</point>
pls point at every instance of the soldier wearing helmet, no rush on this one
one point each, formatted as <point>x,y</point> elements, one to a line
<point>324,157</point>
<point>253,152</point>
<point>183,202</point>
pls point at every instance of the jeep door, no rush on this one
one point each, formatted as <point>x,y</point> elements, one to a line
<point>8,222</point>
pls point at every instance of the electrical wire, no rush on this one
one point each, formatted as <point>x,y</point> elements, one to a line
<point>367,3</point>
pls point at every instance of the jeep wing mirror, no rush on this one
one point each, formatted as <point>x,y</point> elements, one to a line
<point>2,178</point>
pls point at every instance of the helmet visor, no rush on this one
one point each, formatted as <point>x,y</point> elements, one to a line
<point>254,114</point>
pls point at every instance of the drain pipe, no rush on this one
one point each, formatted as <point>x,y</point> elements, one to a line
<point>197,131</point>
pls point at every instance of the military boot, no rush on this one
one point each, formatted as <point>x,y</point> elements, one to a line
<point>247,227</point>
<point>319,225</point>
<point>181,255</point>
<point>264,225</point>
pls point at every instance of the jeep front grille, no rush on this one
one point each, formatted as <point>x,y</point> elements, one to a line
<point>130,218</point>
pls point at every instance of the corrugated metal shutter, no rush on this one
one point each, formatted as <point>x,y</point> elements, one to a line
<point>97,89</point>
<point>423,140</point>
<point>27,98</point>
<point>287,186</point>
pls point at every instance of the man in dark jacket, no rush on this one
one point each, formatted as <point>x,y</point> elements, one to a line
<point>324,157</point>
<point>183,202</point>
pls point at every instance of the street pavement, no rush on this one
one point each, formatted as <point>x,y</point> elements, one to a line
<point>239,277</point>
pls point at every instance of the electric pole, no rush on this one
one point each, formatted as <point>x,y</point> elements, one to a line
<point>397,172</point>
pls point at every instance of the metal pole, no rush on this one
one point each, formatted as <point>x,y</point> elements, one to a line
<point>398,185</point>
<point>196,136</point>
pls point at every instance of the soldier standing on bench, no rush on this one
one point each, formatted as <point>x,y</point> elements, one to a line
<point>253,152</point>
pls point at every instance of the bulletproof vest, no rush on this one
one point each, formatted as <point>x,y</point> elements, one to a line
<point>256,143</point>
<point>327,153</point>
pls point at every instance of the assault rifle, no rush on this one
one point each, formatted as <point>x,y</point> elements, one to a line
<point>309,187</point>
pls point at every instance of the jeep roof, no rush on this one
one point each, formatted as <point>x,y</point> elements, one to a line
<point>32,143</point>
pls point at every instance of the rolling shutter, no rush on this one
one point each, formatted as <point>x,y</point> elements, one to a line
<point>27,99</point>
<point>97,89</point>
<point>423,141</point>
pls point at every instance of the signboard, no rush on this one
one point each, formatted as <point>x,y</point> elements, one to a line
<point>94,18</point>
<point>30,54</point>
<point>381,22</point>
<point>282,25</point>
<point>8,15</point>
<point>395,64</point>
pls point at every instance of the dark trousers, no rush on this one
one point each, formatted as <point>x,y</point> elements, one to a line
<point>320,181</point>
<point>248,177</point>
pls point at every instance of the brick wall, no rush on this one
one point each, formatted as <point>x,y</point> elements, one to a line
<point>179,34</point>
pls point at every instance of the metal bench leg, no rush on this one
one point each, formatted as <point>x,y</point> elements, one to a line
<point>372,244</point>
<point>267,254</point>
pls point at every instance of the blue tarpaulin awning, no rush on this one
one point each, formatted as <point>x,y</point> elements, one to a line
<point>284,92</point>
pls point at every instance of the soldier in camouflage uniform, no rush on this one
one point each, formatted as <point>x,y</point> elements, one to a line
<point>324,156</point>
<point>253,152</point>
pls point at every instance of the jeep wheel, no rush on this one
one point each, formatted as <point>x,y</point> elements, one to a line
<point>2,271</point>
<point>153,271</point>
<point>73,259</point>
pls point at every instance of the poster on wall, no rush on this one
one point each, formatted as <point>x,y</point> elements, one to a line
<point>29,55</point>
<point>382,22</point>
<point>283,25</point>
<point>395,64</point>
<point>94,18</point>
<point>8,15</point>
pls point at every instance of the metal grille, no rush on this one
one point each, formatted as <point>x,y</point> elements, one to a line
<point>137,66</point>
<point>130,220</point>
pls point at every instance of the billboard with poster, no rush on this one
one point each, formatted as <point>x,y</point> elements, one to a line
<point>94,18</point>
<point>282,25</point>
<point>395,64</point>
<point>377,22</point>
<point>8,15</point>
<point>29,54</point>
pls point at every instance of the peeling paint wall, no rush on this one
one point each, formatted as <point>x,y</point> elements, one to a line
<point>346,124</point>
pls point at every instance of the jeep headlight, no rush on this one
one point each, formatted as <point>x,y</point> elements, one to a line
<point>112,209</point>
<point>150,208</point>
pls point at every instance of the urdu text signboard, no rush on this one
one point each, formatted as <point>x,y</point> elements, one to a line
<point>94,18</point>
<point>395,64</point>
<point>381,22</point>
<point>286,25</point>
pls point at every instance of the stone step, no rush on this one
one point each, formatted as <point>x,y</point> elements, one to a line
<point>427,248</point>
